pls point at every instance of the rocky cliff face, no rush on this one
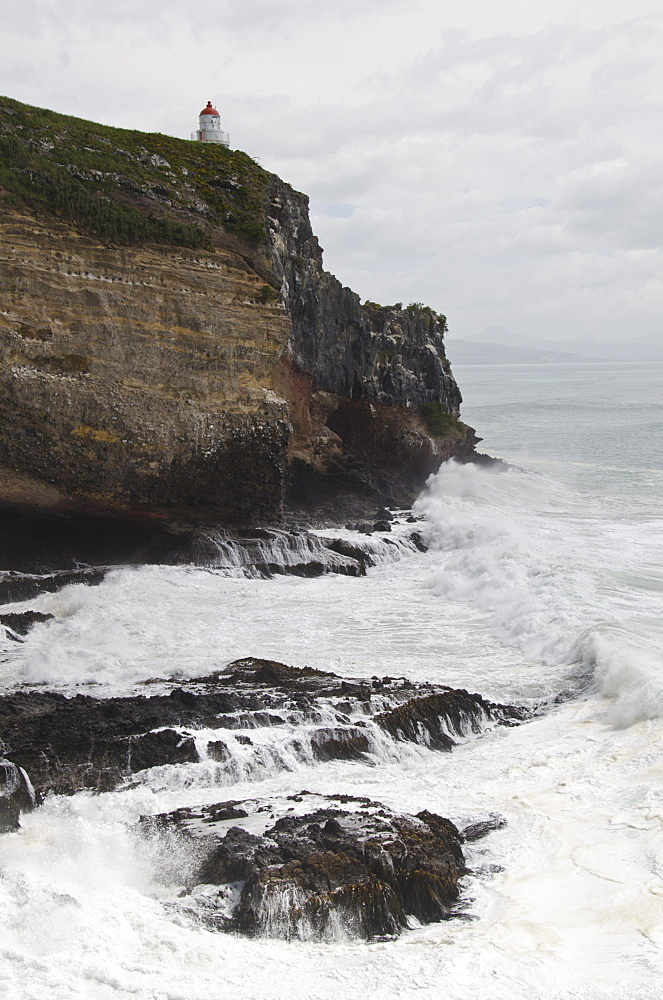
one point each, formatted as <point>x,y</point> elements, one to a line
<point>171,347</point>
<point>137,379</point>
<point>357,376</point>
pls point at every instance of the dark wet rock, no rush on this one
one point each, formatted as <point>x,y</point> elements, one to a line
<point>340,744</point>
<point>218,750</point>
<point>277,552</point>
<point>369,554</point>
<point>21,623</point>
<point>66,744</point>
<point>489,461</point>
<point>59,549</point>
<point>411,519</point>
<point>383,514</point>
<point>16,795</point>
<point>417,538</point>
<point>432,719</point>
<point>382,525</point>
<point>152,749</point>
<point>364,527</point>
<point>476,831</point>
<point>349,549</point>
<point>310,569</point>
<point>15,586</point>
<point>362,872</point>
<point>223,811</point>
<point>253,672</point>
<point>255,552</point>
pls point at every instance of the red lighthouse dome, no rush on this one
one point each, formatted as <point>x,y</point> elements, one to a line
<point>209,110</point>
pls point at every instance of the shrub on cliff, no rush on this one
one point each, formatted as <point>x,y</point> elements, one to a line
<point>439,422</point>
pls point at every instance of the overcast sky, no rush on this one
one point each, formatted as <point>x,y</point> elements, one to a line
<point>500,162</point>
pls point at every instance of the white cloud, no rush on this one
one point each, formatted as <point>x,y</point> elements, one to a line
<point>501,162</point>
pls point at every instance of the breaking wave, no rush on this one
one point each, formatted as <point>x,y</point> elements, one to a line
<point>538,562</point>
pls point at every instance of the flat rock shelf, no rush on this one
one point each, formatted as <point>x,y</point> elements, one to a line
<point>301,866</point>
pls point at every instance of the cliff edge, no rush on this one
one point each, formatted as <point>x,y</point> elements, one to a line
<point>171,347</point>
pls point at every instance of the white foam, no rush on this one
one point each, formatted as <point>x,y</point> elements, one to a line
<point>575,909</point>
<point>516,547</point>
<point>629,674</point>
<point>529,587</point>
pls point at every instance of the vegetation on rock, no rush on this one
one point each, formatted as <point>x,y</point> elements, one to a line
<point>257,382</point>
<point>125,186</point>
<point>440,422</point>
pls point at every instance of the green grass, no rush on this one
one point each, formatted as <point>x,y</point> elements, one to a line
<point>114,182</point>
<point>439,422</point>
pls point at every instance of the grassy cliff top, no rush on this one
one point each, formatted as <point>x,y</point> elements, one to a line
<point>125,186</point>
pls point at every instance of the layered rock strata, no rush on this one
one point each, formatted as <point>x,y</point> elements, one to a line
<point>171,347</point>
<point>137,379</point>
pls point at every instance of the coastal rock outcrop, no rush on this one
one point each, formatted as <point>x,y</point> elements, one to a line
<point>172,349</point>
<point>254,717</point>
<point>19,624</point>
<point>307,866</point>
<point>328,867</point>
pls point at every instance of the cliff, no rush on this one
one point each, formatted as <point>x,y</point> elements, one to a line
<point>171,347</point>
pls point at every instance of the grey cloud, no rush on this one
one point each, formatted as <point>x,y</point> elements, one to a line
<point>478,169</point>
<point>619,202</point>
<point>242,17</point>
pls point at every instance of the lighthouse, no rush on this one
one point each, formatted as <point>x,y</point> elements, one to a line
<point>209,127</point>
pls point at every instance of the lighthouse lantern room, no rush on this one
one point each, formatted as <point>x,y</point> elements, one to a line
<point>209,127</point>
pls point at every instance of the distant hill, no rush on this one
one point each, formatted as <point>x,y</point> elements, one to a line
<point>498,345</point>
<point>464,352</point>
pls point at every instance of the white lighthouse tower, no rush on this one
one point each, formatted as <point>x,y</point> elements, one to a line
<point>209,127</point>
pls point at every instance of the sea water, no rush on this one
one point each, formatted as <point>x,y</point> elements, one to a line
<point>542,587</point>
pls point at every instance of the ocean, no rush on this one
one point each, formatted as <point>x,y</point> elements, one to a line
<point>541,587</point>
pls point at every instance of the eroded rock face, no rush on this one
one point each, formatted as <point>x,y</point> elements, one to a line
<point>200,385</point>
<point>337,866</point>
<point>432,718</point>
<point>294,714</point>
<point>356,375</point>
